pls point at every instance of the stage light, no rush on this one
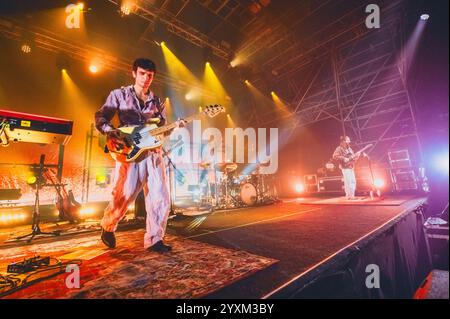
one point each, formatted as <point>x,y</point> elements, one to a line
<point>26,48</point>
<point>87,211</point>
<point>247,82</point>
<point>191,95</point>
<point>272,93</point>
<point>100,179</point>
<point>93,68</point>
<point>200,109</point>
<point>176,67</point>
<point>212,83</point>
<point>127,7</point>
<point>441,163</point>
<point>80,6</point>
<point>163,44</point>
<point>64,71</point>
<point>237,60</point>
<point>31,180</point>
<point>167,99</point>
<point>378,183</point>
<point>7,218</point>
<point>425,16</point>
<point>299,188</point>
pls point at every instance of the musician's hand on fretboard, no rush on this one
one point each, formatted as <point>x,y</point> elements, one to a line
<point>181,123</point>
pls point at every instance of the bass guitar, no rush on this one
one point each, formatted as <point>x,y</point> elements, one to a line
<point>139,138</point>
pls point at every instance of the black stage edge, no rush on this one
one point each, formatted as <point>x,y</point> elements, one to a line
<point>400,250</point>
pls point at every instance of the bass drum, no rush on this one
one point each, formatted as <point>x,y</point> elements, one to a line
<point>248,194</point>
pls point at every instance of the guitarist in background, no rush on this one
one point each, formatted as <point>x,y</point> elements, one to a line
<point>135,105</point>
<point>346,158</point>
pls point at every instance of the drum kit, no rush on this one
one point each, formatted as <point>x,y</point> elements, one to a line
<point>226,189</point>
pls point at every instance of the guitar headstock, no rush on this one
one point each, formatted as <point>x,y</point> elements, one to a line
<point>213,110</point>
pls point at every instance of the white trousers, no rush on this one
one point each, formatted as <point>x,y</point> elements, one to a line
<point>129,179</point>
<point>349,182</point>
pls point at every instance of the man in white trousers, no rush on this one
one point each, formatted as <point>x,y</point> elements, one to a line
<point>347,158</point>
<point>135,105</point>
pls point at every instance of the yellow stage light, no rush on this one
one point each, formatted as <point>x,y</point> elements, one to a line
<point>87,211</point>
<point>31,180</point>
<point>26,48</point>
<point>230,122</point>
<point>236,61</point>
<point>100,179</point>
<point>278,102</point>
<point>247,82</point>
<point>212,83</point>
<point>125,10</point>
<point>176,68</point>
<point>80,6</point>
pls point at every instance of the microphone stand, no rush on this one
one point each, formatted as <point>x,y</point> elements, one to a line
<point>172,188</point>
<point>371,175</point>
<point>35,228</point>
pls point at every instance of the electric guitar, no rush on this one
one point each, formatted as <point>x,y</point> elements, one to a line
<point>139,138</point>
<point>351,158</point>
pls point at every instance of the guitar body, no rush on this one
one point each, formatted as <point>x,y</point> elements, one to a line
<point>136,140</point>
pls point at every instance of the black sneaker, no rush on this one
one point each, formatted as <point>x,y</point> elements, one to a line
<point>160,247</point>
<point>108,238</point>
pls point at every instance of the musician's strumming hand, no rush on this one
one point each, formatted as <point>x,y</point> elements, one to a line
<point>114,136</point>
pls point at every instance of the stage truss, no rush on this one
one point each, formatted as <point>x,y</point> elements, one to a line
<point>351,74</point>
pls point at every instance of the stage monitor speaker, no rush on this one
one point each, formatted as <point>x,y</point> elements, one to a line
<point>331,184</point>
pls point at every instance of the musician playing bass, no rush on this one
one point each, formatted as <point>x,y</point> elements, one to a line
<point>136,105</point>
<point>346,158</point>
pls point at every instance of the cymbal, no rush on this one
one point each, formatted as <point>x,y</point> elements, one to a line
<point>228,167</point>
<point>204,164</point>
<point>264,163</point>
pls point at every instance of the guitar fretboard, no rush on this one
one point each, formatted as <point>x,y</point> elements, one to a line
<point>168,127</point>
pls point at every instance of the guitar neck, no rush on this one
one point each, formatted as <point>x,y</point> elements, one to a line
<point>171,126</point>
<point>364,148</point>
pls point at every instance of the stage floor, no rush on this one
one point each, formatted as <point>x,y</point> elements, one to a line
<point>293,237</point>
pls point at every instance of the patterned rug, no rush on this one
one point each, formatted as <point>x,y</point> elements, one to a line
<point>192,270</point>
